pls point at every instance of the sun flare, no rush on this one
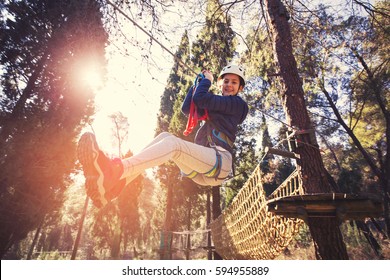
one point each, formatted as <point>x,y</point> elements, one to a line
<point>92,78</point>
<point>89,74</point>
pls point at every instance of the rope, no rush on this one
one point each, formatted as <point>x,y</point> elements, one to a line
<point>151,36</point>
<point>246,230</point>
<point>186,240</point>
<point>294,129</point>
<point>278,120</point>
<point>191,232</point>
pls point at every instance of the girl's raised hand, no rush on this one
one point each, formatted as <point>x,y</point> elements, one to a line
<point>208,75</point>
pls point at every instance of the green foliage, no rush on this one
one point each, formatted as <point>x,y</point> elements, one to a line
<point>342,64</point>
<point>350,181</point>
<point>178,121</point>
<point>215,44</point>
<point>303,237</point>
<point>177,85</point>
<point>244,163</point>
<point>171,119</point>
<point>43,104</point>
<point>130,224</point>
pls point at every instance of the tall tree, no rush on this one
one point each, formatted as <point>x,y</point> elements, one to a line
<point>213,48</point>
<point>369,126</point>
<point>215,45</point>
<point>44,103</point>
<point>345,71</point>
<point>327,237</point>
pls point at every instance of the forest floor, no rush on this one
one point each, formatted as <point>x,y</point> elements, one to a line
<point>358,248</point>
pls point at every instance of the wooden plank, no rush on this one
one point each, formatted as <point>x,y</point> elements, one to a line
<point>342,206</point>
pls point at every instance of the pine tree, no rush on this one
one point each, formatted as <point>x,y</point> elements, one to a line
<point>43,104</point>
<point>215,45</point>
<point>177,82</point>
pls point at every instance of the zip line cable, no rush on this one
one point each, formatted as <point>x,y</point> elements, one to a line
<point>276,119</point>
<point>151,36</point>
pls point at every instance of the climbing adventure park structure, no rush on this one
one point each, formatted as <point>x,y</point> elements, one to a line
<point>258,227</point>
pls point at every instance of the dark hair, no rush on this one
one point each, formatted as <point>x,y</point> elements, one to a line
<point>242,82</point>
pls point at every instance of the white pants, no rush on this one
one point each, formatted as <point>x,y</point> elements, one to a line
<point>187,156</point>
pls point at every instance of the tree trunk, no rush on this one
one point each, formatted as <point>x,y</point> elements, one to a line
<point>166,252</point>
<point>328,240</point>
<point>116,242</point>
<point>216,209</point>
<point>326,233</point>
<point>34,242</point>
<point>188,241</point>
<point>78,237</point>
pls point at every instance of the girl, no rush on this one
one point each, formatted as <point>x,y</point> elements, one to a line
<point>208,161</point>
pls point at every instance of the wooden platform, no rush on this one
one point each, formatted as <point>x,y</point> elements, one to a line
<point>340,205</point>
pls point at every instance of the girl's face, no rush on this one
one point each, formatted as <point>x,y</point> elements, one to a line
<point>230,84</point>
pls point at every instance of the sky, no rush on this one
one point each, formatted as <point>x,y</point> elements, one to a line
<point>134,87</point>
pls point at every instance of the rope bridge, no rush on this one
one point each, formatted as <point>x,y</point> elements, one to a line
<point>246,230</point>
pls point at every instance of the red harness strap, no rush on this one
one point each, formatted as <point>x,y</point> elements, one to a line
<point>193,118</point>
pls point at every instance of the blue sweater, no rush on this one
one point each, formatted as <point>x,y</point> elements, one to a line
<point>225,114</point>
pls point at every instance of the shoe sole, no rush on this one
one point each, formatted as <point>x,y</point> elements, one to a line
<point>88,152</point>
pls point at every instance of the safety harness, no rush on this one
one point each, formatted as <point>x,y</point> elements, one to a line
<point>216,170</point>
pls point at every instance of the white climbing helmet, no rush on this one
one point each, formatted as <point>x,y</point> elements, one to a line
<point>233,69</point>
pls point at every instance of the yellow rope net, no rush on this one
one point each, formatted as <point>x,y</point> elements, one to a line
<point>246,230</point>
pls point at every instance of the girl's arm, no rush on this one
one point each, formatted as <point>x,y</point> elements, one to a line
<point>230,105</point>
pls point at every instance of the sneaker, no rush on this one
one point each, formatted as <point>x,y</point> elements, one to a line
<point>102,175</point>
